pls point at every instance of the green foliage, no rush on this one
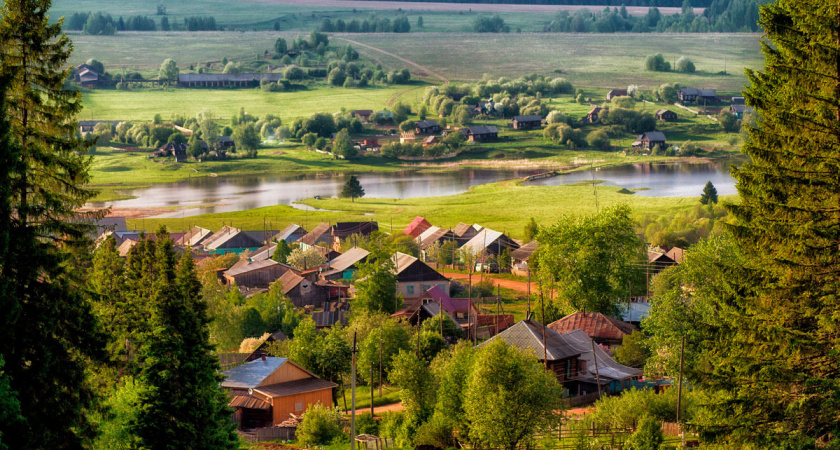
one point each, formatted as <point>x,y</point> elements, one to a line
<point>728,122</point>
<point>709,195</point>
<point>592,259</point>
<point>510,397</point>
<point>657,63</point>
<point>305,259</point>
<point>343,146</point>
<point>452,370</point>
<point>668,93</point>
<point>414,377</point>
<point>320,425</point>
<point>563,134</point>
<point>685,65</point>
<point>168,70</point>
<point>623,101</point>
<point>352,189</point>
<point>598,139</point>
<point>366,424</point>
<point>628,409</point>
<point>648,436</point>
<point>247,139</point>
<point>531,230</point>
<point>327,355</point>
<point>9,405</point>
<point>395,338</point>
<point>120,411</point>
<point>376,286</point>
<point>633,352</point>
<point>282,252</point>
<point>280,46</point>
<point>451,330</point>
<point>495,24</point>
<point>682,229</point>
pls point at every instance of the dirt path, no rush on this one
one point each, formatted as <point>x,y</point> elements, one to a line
<point>507,284</point>
<point>379,409</point>
<point>424,69</point>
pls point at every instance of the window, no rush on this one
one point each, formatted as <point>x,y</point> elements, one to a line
<point>424,287</point>
<point>409,289</point>
<point>299,406</point>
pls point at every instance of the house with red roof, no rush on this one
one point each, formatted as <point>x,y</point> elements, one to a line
<point>602,329</point>
<point>417,226</point>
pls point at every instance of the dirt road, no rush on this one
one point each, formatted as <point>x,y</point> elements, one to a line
<point>411,63</point>
<point>378,409</point>
<point>507,284</point>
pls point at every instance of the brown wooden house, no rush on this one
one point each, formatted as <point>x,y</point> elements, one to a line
<point>651,139</point>
<point>267,391</point>
<point>256,274</point>
<point>526,122</point>
<point>666,115</point>
<point>616,93</point>
<point>593,116</point>
<point>427,127</point>
<point>481,133</point>
<point>414,277</point>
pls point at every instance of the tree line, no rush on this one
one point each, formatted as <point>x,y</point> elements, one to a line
<point>375,25</point>
<point>97,23</point>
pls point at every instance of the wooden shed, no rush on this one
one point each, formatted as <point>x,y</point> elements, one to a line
<point>666,115</point>
<point>526,122</point>
<point>256,274</point>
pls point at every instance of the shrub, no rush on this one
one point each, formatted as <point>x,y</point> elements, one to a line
<point>685,65</point>
<point>599,139</point>
<point>624,101</point>
<point>648,436</point>
<point>556,117</point>
<point>320,426</point>
<point>248,345</point>
<point>657,63</point>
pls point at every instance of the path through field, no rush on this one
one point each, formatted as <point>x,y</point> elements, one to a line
<point>379,409</point>
<point>434,6</point>
<point>412,63</point>
<point>507,284</point>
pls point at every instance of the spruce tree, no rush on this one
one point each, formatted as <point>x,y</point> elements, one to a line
<point>183,406</point>
<point>353,189</point>
<point>776,366</point>
<point>47,329</point>
<point>709,194</point>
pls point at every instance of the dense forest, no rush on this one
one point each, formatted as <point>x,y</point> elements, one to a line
<point>648,3</point>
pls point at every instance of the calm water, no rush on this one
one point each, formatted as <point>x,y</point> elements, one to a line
<point>225,194</point>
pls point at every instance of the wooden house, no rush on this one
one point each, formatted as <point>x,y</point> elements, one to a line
<point>225,143</point>
<point>666,115</point>
<point>602,329</point>
<point>231,240</point>
<point>461,310</point>
<point>407,137</point>
<point>268,390</point>
<point>179,151</point>
<point>86,126</point>
<point>319,235</point>
<point>519,258</point>
<point>659,262</point>
<point>593,116</point>
<point>259,274</point>
<point>616,93</point>
<point>195,237</point>
<point>464,232</point>
<point>526,122</point>
<point>414,277</point>
<point>430,140</point>
<point>692,95</point>
<point>651,139</point>
<point>302,291</point>
<point>363,115</point>
<point>427,127</point>
<point>676,253</point>
<point>488,243</point>
<point>291,233</point>
<point>417,226</point>
<point>481,133</point>
<point>346,265</point>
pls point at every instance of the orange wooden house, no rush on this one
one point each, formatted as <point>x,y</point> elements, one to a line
<point>267,391</point>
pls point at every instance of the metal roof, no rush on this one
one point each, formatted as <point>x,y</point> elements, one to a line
<point>608,369</point>
<point>525,252</point>
<point>313,236</point>
<point>251,374</point>
<point>482,240</point>
<point>482,130</point>
<point>596,326</point>
<point>348,259</point>
<point>654,136</point>
<point>252,266</point>
<point>295,387</point>
<point>527,335</point>
<point>289,231</point>
<point>638,311</point>
<point>528,118</point>
<point>289,281</point>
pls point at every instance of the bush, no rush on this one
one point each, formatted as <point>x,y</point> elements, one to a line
<point>320,426</point>
<point>685,65</point>
<point>624,101</point>
<point>556,117</point>
<point>599,139</point>
<point>438,432</point>
<point>648,436</point>
<point>657,63</point>
<point>365,424</point>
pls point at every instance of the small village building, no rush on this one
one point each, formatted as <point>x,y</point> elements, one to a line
<point>666,115</point>
<point>427,127</point>
<point>231,240</point>
<point>430,140</point>
<point>363,115</point>
<point>435,235</point>
<point>267,391</point>
<point>186,80</point>
<point>291,233</point>
<point>616,93</point>
<point>526,122</point>
<point>343,230</point>
<point>594,114</point>
<point>414,277</point>
<point>226,143</point>
<point>417,226</point>
<point>319,235</point>
<point>602,329</point>
<point>345,266</point>
<point>676,253</point>
<point>195,237</point>
<point>659,261</point>
<point>407,137</point>
<point>258,274</point>
<point>179,151</point>
<point>692,95</point>
<point>301,291</point>
<point>460,310</point>
<point>86,126</point>
<point>651,139</point>
<point>481,133</point>
<point>487,244</point>
<point>88,78</point>
<point>519,258</point>
<point>464,232</point>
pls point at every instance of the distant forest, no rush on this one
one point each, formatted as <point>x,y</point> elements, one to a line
<point>648,3</point>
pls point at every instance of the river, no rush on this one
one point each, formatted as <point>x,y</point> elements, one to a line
<point>225,194</point>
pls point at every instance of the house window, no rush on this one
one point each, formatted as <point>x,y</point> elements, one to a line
<point>460,315</point>
<point>424,287</point>
<point>426,301</point>
<point>299,406</point>
<point>409,289</point>
<point>442,287</point>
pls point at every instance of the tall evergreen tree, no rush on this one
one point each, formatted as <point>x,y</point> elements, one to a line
<point>183,406</point>
<point>776,364</point>
<point>353,189</point>
<point>47,329</point>
<point>709,194</point>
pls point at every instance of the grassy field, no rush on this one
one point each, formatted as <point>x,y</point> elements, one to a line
<point>142,105</point>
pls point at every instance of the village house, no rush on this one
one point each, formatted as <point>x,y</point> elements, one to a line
<point>436,235</point>
<point>259,274</point>
<point>262,349</point>
<point>616,93</point>
<point>179,151</point>
<point>87,77</point>
<point>464,232</point>
<point>739,110</point>
<point>602,329</point>
<point>460,310</point>
<point>487,244</point>
<point>427,127</point>
<point>526,122</point>
<point>519,258</point>
<point>362,115</point>
<point>343,230</point>
<point>267,391</point>
<point>692,95</point>
<point>291,233</point>
<point>231,240</point>
<point>481,133</point>
<point>430,140</point>
<point>86,126</point>
<point>414,277</point>
<point>676,253</point>
<point>417,227</point>
<point>666,115</point>
<point>319,235</point>
<point>345,266</point>
<point>651,139</point>
<point>301,291</point>
<point>195,237</point>
<point>407,137</point>
<point>658,261</point>
<point>593,116</point>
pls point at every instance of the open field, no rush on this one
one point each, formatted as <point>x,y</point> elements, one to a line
<point>596,60</point>
<point>504,206</point>
<point>143,104</point>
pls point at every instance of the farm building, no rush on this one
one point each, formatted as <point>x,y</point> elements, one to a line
<point>301,291</point>
<point>602,329</point>
<point>691,95</point>
<point>86,126</point>
<point>666,115</point>
<point>460,310</point>
<point>616,93</point>
<point>257,274</point>
<point>481,133</point>
<point>267,391</point>
<point>427,127</point>
<point>593,116</point>
<point>407,137</point>
<point>526,122</point>
<point>231,240</point>
<point>651,139</point>
<point>290,234</point>
<point>363,114</point>
<point>431,140</point>
<point>226,79</point>
<point>417,227</point>
<point>346,265</point>
<point>343,230</point>
<point>519,258</point>
<point>179,151</point>
<point>414,277</point>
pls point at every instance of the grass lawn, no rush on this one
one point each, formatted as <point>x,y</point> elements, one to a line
<point>142,105</point>
<point>390,395</point>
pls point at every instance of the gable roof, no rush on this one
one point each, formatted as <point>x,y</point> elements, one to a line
<point>528,118</point>
<point>485,239</point>
<point>527,335</point>
<point>252,266</point>
<point>654,136</point>
<point>227,234</point>
<point>348,259</point>
<point>194,237</point>
<point>289,281</point>
<point>608,368</point>
<point>596,326</point>
<point>463,228</point>
<point>343,229</point>
<point>427,240</point>
<point>417,226</point>
<point>525,252</point>
<point>663,111</point>
<point>251,374</point>
<point>263,253</point>
<point>289,231</point>
<point>408,268</point>
<point>315,235</point>
<point>426,124</point>
<point>677,254</point>
<point>295,387</point>
<point>481,130</point>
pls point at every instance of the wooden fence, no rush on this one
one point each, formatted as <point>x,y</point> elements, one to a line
<point>268,434</point>
<point>581,400</point>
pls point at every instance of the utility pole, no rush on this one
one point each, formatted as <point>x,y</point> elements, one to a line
<point>353,394</point>
<point>528,316</point>
<point>545,349</point>
<point>371,389</point>
<point>597,376</point>
<point>679,382</point>
<point>380,362</point>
